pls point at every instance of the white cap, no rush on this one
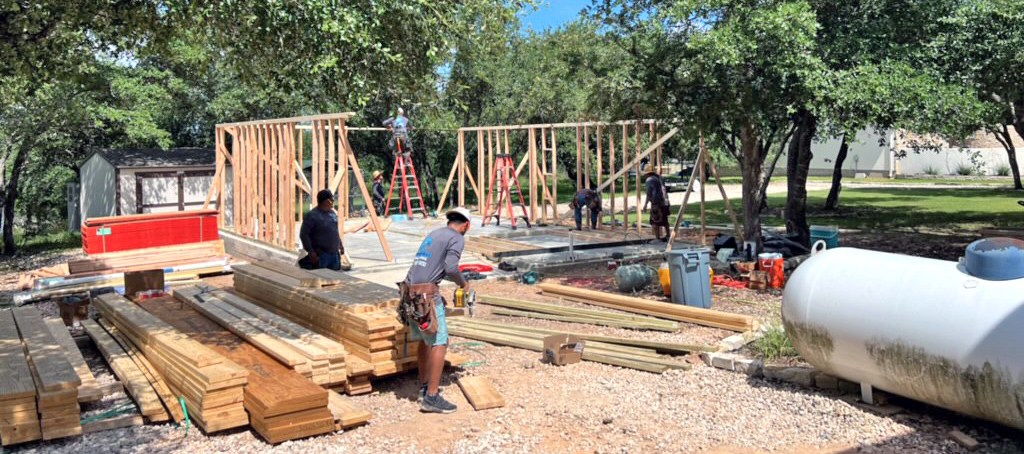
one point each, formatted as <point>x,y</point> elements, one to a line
<point>401,111</point>
<point>458,213</point>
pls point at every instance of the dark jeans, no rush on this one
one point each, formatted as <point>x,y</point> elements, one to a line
<point>330,260</point>
<point>578,212</point>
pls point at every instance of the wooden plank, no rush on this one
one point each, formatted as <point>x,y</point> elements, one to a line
<point>346,413</point>
<point>117,422</point>
<point>135,383</point>
<point>45,355</point>
<point>89,391</point>
<point>481,393</point>
<point>15,376</point>
<point>305,278</point>
<point>172,404</point>
<point>20,433</point>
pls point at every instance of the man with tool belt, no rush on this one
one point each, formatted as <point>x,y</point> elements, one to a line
<point>422,307</point>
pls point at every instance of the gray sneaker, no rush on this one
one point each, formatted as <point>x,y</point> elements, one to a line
<point>437,404</point>
<point>423,393</point>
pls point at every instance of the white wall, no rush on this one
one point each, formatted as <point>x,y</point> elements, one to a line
<point>97,194</point>
<point>868,153</point>
<point>945,161</point>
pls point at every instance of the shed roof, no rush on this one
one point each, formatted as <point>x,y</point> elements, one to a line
<point>155,157</point>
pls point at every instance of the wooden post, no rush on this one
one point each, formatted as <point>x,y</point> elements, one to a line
<point>554,172</point>
<point>481,169</point>
<point>579,162</point>
<point>611,169</point>
<point>374,220</point>
<point>600,153</point>
<point>543,173</point>
<point>625,178</point>
<point>460,160</point>
<point>682,207</point>
<point>703,181</point>
<point>275,185</point>
<point>300,158</point>
<point>586,156</point>
<point>532,150</point>
<point>639,217</point>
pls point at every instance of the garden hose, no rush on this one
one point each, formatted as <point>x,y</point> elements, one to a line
<point>469,346</point>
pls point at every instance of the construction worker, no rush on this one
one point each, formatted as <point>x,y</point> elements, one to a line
<point>586,198</point>
<point>399,126</point>
<point>437,258</point>
<point>379,195</point>
<point>320,238</point>
<point>657,198</point>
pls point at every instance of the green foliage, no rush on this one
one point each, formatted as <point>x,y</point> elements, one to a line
<point>931,170</point>
<point>1002,169</point>
<point>54,238</point>
<point>964,169</point>
<point>774,343</point>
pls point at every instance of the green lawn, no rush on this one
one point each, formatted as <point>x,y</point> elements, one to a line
<point>846,180</point>
<point>55,239</point>
<point>899,208</point>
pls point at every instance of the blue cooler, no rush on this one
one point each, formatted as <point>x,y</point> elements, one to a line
<point>689,269</point>
<point>828,233</point>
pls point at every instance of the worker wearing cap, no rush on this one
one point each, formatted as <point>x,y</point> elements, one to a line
<point>437,258</point>
<point>399,126</point>
<point>319,235</point>
<point>378,192</point>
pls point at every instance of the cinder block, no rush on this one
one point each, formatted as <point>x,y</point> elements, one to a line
<point>723,361</point>
<point>751,367</point>
<point>826,381</point>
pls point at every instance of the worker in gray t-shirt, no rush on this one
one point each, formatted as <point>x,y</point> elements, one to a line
<point>437,258</point>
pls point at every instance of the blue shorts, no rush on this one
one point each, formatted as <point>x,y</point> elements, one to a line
<point>436,339</point>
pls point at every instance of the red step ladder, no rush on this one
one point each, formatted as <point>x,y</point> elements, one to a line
<point>404,165</point>
<point>504,175</point>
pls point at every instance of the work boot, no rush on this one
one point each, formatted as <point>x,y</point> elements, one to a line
<point>437,404</point>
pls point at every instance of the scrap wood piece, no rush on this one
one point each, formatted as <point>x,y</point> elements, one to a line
<point>583,319</point>
<point>481,393</point>
<point>559,309</point>
<point>159,385</point>
<point>706,317</point>
<point>49,364</point>
<point>305,278</point>
<point>659,346</point>
<point>117,422</point>
<point>89,391</point>
<point>135,383</point>
<point>346,413</point>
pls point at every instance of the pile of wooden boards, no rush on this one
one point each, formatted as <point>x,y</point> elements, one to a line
<point>19,420</point>
<point>147,259</point>
<point>699,316</point>
<point>312,355</point>
<point>622,353</point>
<point>557,312</point>
<point>210,384</point>
<point>359,314</point>
<point>282,404</point>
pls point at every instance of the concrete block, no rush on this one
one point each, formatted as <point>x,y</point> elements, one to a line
<point>803,376</point>
<point>772,372</point>
<point>826,381</point>
<point>734,342</point>
<point>751,367</point>
<point>964,440</point>
<point>723,361</point>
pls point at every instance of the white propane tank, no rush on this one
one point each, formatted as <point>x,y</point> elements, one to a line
<point>916,327</point>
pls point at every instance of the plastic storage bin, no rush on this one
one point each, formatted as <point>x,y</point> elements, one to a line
<point>689,269</point>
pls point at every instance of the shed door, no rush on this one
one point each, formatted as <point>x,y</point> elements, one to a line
<point>158,192</point>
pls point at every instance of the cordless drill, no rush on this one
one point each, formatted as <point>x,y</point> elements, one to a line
<point>466,300</point>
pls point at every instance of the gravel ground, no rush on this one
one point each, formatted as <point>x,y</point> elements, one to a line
<point>589,407</point>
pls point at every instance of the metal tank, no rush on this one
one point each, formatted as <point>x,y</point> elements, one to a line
<point>921,328</point>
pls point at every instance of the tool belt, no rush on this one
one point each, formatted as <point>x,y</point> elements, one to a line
<point>416,306</point>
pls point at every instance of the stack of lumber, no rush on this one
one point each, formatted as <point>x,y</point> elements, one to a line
<point>210,384</point>
<point>616,354</point>
<point>546,311</point>
<point>282,404</point>
<point>699,316</point>
<point>55,379</point>
<point>314,356</point>
<point>147,259</point>
<point>137,375</point>
<point>359,314</point>
<point>19,420</point>
<point>346,414</point>
<point>89,390</point>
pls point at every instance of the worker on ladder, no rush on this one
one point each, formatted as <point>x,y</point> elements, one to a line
<point>399,126</point>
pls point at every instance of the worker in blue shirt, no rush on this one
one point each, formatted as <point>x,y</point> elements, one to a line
<point>399,126</point>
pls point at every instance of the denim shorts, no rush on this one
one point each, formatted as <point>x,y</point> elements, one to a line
<point>438,338</point>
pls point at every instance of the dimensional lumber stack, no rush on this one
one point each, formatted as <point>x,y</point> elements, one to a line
<point>89,391</point>
<point>312,355</point>
<point>282,404</point>
<point>359,314</point>
<point>131,371</point>
<point>211,385</point>
<point>147,259</point>
<point>19,420</point>
<point>55,379</point>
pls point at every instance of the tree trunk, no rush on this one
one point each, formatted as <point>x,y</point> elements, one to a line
<point>798,166</point>
<point>1011,150</point>
<point>1004,138</point>
<point>753,177</point>
<point>832,202</point>
<point>11,196</point>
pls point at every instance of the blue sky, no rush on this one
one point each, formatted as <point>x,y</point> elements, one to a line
<point>553,13</point>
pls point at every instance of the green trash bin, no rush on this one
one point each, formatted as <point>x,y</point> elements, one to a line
<point>689,269</point>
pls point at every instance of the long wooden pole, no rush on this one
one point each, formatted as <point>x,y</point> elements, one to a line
<point>682,207</point>
<point>611,169</point>
<point>639,217</point>
<point>374,220</point>
<point>625,178</point>
<point>460,161</point>
<point>600,155</point>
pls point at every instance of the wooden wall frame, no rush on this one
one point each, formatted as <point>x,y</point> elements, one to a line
<point>268,182</point>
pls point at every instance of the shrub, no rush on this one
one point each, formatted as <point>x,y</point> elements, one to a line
<point>931,170</point>
<point>774,343</point>
<point>964,169</point>
<point>1003,170</point>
